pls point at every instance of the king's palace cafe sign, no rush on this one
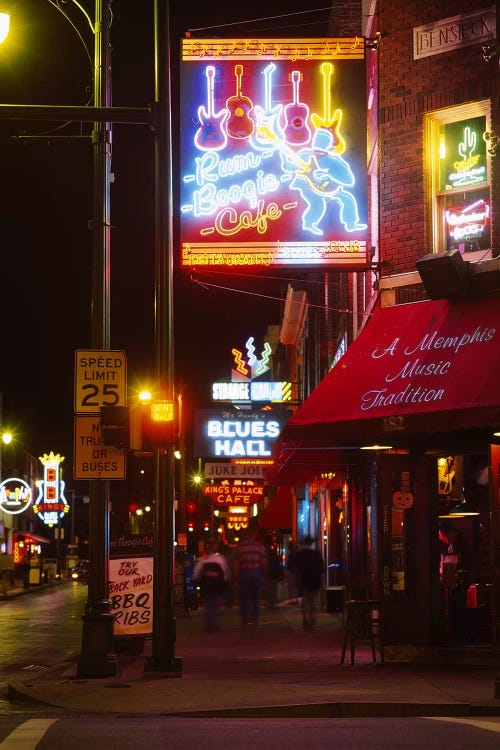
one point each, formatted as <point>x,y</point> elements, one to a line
<point>234,494</point>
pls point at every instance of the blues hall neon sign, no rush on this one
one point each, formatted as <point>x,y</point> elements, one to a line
<point>273,153</point>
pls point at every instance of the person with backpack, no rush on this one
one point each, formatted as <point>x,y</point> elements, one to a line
<point>212,575</point>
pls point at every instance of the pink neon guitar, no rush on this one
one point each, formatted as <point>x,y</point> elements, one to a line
<point>210,135</point>
<point>329,120</point>
<point>296,130</point>
<point>268,115</point>
<point>239,124</point>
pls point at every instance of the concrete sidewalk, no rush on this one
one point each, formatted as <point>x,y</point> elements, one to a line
<point>279,670</point>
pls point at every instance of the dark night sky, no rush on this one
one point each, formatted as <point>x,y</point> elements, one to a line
<point>46,203</point>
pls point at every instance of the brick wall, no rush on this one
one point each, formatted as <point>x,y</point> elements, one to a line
<point>408,89</point>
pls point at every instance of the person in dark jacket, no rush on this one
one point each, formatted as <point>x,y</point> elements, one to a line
<point>309,569</point>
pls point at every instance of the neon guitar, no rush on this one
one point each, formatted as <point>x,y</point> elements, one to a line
<point>328,119</point>
<point>296,130</point>
<point>239,124</point>
<point>319,180</point>
<point>267,115</point>
<point>210,135</point>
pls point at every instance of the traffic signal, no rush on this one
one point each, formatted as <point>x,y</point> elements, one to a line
<point>158,425</point>
<point>115,426</point>
<point>153,424</point>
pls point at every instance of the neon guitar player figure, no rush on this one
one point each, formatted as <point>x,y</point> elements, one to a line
<point>321,175</point>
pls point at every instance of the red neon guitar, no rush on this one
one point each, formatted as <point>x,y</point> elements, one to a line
<point>239,124</point>
<point>210,135</point>
<point>296,130</point>
<point>328,119</point>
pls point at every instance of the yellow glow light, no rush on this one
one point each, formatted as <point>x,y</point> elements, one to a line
<point>4,26</point>
<point>7,438</point>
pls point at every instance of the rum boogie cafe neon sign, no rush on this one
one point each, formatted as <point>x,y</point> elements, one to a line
<point>236,434</point>
<point>273,153</point>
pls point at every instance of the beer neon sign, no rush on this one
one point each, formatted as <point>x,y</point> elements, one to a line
<point>268,176</point>
<point>15,495</point>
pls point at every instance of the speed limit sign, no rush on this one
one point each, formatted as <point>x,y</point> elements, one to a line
<point>100,379</point>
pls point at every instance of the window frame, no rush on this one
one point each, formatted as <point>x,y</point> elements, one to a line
<point>435,196</point>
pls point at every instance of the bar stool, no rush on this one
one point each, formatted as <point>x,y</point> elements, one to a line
<point>362,620</point>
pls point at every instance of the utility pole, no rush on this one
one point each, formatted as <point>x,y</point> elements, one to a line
<point>97,658</point>
<point>163,657</point>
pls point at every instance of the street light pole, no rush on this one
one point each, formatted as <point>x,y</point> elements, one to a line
<point>163,657</point>
<point>97,658</point>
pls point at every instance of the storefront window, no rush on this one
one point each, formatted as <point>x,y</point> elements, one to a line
<point>459,179</point>
<point>398,538</point>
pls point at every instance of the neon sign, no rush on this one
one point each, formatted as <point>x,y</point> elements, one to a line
<point>245,392</point>
<point>242,388</point>
<point>51,505</point>
<point>467,219</point>
<point>463,153</point>
<point>236,434</point>
<point>268,175</point>
<point>15,496</point>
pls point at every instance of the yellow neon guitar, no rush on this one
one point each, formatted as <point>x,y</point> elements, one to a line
<point>330,120</point>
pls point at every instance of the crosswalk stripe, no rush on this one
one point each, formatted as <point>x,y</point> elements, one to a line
<point>27,735</point>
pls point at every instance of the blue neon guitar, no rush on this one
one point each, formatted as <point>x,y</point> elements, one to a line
<point>268,115</point>
<point>211,135</point>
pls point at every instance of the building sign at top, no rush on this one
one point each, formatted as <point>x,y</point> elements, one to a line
<point>459,31</point>
<point>273,153</point>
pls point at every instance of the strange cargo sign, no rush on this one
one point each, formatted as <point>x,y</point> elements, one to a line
<point>237,434</point>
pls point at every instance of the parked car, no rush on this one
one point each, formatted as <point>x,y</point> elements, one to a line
<point>80,572</point>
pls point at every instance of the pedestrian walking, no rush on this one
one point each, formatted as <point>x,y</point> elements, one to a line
<point>212,575</point>
<point>309,568</point>
<point>249,568</point>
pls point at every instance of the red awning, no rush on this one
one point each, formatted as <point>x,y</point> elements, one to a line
<point>279,514</point>
<point>415,371</point>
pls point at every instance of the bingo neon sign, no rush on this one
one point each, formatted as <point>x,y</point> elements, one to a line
<point>273,153</point>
